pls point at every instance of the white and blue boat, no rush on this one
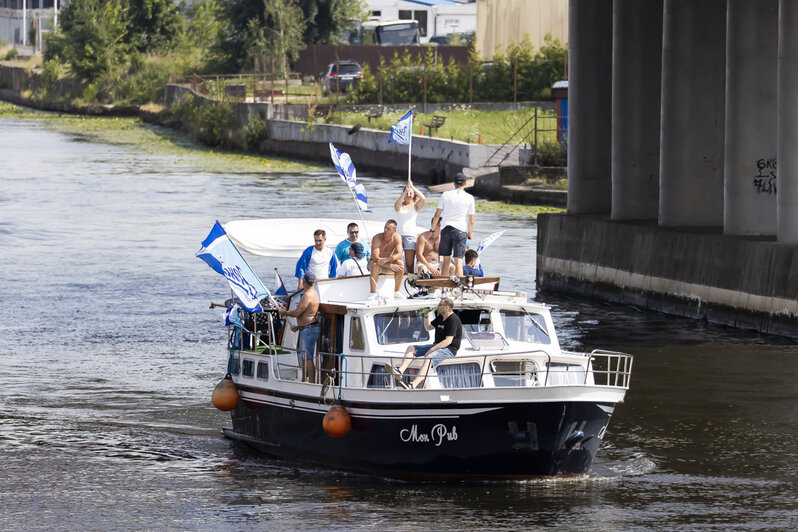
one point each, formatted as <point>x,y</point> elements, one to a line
<point>510,405</point>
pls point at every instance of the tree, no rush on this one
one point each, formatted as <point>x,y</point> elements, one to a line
<point>152,24</point>
<point>278,36</point>
<point>91,37</point>
<point>327,19</point>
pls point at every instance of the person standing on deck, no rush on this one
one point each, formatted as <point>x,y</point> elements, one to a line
<point>342,249</point>
<point>307,325</point>
<point>356,264</point>
<point>407,207</point>
<point>317,259</point>
<point>456,210</point>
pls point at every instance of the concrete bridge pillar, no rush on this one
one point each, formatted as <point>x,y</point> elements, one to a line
<point>692,121</point>
<point>751,110</point>
<point>589,106</point>
<point>636,75</point>
<point>788,122</point>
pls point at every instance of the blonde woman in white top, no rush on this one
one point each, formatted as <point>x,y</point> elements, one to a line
<point>407,206</point>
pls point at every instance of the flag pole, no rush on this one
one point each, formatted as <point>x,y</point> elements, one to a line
<point>409,153</point>
<point>360,212</point>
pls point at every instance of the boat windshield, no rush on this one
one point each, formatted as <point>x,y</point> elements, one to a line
<point>400,327</point>
<point>525,327</point>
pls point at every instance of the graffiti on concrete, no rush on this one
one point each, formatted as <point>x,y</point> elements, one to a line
<point>765,179</point>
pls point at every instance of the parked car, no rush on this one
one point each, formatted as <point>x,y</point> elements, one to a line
<point>349,76</point>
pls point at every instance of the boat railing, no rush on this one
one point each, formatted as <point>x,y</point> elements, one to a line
<point>535,368</point>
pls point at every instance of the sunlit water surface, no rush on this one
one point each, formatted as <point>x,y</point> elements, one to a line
<point>109,353</point>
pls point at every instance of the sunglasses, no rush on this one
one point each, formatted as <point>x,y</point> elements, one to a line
<point>354,232</point>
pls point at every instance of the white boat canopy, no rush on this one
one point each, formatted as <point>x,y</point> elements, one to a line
<point>288,237</point>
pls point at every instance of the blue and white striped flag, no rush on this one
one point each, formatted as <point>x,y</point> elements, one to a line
<point>402,132</point>
<point>488,241</point>
<point>346,169</point>
<point>219,252</point>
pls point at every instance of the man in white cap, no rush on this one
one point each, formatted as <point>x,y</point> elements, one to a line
<point>456,211</point>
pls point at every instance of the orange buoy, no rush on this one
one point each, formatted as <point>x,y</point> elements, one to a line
<point>225,395</point>
<point>337,422</point>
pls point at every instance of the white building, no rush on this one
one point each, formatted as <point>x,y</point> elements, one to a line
<point>434,17</point>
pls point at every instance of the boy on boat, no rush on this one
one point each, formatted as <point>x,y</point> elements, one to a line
<point>356,264</point>
<point>456,209</point>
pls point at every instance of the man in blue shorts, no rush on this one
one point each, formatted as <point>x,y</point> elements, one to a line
<point>307,325</point>
<point>448,334</point>
<point>456,211</point>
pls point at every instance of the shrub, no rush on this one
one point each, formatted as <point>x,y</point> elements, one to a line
<point>11,54</point>
<point>550,153</point>
<point>256,131</point>
<point>215,124</point>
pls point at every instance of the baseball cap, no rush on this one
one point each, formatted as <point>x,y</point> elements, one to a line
<point>358,250</point>
<point>309,277</point>
<point>459,178</point>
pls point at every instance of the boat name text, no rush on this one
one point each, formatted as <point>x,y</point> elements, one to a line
<point>437,435</point>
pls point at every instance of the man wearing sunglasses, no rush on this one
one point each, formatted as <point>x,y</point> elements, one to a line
<point>342,249</point>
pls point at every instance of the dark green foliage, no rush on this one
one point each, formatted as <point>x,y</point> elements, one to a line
<point>519,74</point>
<point>91,37</point>
<point>327,19</point>
<point>152,24</point>
<point>551,154</point>
<point>256,131</point>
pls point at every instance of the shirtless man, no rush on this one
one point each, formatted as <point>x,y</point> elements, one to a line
<point>386,257</point>
<point>427,251</point>
<point>307,325</point>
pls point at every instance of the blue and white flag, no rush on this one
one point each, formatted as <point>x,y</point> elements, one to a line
<point>279,287</point>
<point>488,241</point>
<point>219,252</point>
<point>232,316</point>
<point>346,169</point>
<point>402,132</point>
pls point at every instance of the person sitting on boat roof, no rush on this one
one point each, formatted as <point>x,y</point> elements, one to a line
<point>356,264</point>
<point>386,257</point>
<point>307,325</point>
<point>448,334</point>
<point>407,206</point>
<point>342,249</point>
<point>427,251</point>
<point>317,259</point>
<point>472,267</point>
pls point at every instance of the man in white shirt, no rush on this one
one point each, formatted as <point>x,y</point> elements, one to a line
<point>317,259</point>
<point>356,264</point>
<point>456,211</point>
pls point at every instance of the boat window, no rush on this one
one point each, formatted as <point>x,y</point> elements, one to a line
<point>356,335</point>
<point>525,327</point>
<point>514,372</point>
<point>562,373</point>
<point>247,368</point>
<point>459,375</point>
<point>263,370</point>
<point>475,319</point>
<point>400,327</point>
<point>378,378</point>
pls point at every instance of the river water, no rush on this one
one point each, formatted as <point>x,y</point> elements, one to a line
<point>109,354</point>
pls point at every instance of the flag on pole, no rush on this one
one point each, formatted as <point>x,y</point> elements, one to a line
<point>346,169</point>
<point>219,252</point>
<point>279,286</point>
<point>402,132</point>
<point>488,241</point>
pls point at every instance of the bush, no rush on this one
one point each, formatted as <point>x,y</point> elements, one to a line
<point>551,153</point>
<point>256,131</point>
<point>11,54</point>
<point>215,124</point>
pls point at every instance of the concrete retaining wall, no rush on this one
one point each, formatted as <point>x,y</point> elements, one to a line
<point>743,282</point>
<point>434,160</point>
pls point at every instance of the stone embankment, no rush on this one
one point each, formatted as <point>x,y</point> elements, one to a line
<point>434,160</point>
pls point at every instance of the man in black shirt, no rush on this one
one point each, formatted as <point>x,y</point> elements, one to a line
<point>448,334</point>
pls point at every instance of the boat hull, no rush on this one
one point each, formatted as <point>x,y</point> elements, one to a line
<point>432,441</point>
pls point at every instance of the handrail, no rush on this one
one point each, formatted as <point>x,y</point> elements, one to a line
<point>600,368</point>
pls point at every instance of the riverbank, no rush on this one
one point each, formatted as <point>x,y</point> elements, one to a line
<point>435,160</point>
